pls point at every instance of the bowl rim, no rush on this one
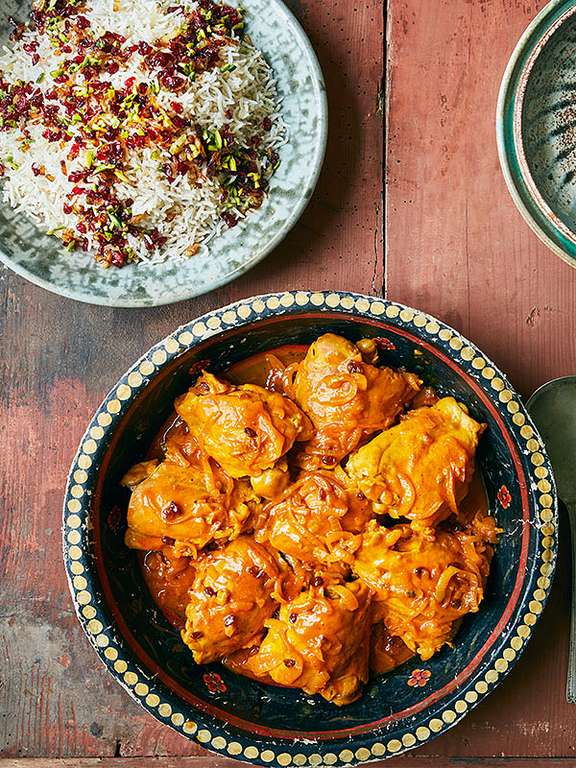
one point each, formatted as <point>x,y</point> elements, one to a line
<point>316,164</point>
<point>210,732</point>
<point>513,163</point>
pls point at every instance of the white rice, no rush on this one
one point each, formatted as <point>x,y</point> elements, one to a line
<point>249,91</point>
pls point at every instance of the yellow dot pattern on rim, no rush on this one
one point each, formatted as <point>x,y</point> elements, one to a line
<point>84,461</point>
<point>80,491</point>
<point>287,300</point>
<point>219,742</point>
<point>135,379</point>
<point>123,392</point>
<point>94,627</point>
<point>113,406</point>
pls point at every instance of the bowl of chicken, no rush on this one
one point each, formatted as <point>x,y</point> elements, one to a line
<point>310,527</point>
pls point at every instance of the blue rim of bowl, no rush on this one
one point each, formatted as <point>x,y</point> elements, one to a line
<point>316,163</point>
<point>519,180</point>
<point>211,732</point>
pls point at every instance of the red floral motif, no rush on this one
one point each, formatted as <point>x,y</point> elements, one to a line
<point>214,682</point>
<point>504,497</point>
<point>385,343</point>
<point>114,518</point>
<point>419,678</point>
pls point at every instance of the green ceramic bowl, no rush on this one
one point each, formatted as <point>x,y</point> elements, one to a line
<point>38,258</point>
<point>536,126</point>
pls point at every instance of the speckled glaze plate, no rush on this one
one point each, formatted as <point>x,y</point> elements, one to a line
<point>268,725</point>
<point>536,126</point>
<point>38,258</point>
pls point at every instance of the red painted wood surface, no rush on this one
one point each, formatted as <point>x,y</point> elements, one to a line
<point>456,247</point>
<point>60,358</point>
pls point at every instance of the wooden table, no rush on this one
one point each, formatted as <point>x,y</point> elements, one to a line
<point>455,247</point>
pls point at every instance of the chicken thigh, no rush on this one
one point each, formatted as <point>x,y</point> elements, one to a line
<point>345,398</point>
<point>245,428</point>
<point>421,468</point>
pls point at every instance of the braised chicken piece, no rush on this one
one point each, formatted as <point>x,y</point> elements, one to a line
<point>345,398</point>
<point>320,643</point>
<point>169,578</point>
<point>316,520</point>
<point>231,597</point>
<point>422,584</point>
<point>139,472</point>
<point>271,483</point>
<point>421,468</point>
<point>386,651</point>
<point>313,519</point>
<point>245,428</point>
<point>186,501</point>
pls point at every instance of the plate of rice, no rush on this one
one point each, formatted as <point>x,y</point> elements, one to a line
<point>153,150</point>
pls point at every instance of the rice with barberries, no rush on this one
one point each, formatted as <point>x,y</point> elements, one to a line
<point>136,129</point>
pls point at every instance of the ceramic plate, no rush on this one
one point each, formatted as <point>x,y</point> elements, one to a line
<point>536,127</point>
<point>37,257</point>
<point>268,725</point>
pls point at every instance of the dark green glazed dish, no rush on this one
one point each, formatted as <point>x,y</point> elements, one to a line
<point>535,126</point>
<point>273,726</point>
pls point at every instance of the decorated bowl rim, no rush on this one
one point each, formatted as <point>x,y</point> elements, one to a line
<point>214,733</point>
<point>259,253</point>
<point>513,161</point>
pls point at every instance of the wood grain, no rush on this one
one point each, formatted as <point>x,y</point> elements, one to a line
<point>411,761</point>
<point>457,247</point>
<point>60,358</point>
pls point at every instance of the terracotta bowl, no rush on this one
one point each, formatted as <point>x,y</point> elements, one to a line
<point>268,725</point>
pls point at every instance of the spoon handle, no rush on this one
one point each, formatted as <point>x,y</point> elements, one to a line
<point>571,681</point>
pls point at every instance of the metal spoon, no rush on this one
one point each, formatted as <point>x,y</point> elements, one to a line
<point>553,409</point>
